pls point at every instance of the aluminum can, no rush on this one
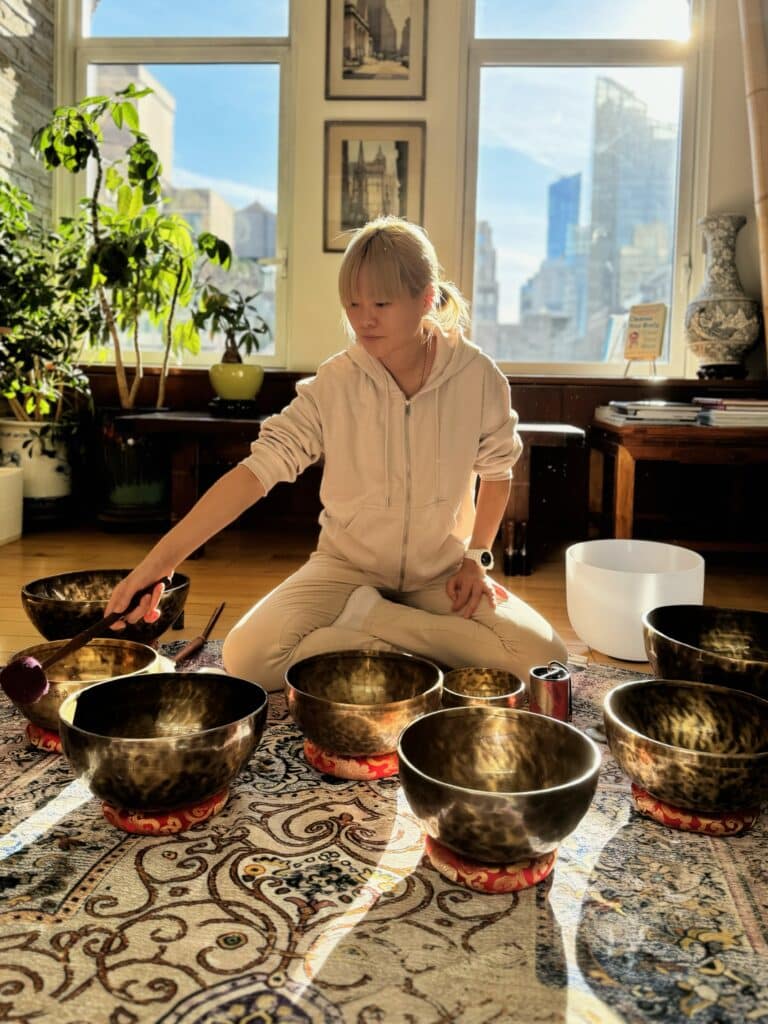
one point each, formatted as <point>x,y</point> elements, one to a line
<point>549,691</point>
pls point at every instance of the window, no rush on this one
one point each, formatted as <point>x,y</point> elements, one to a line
<point>574,178</point>
<point>214,118</point>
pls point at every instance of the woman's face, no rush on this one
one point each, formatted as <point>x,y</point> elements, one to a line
<point>385,326</point>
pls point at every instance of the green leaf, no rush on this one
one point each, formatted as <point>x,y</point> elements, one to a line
<point>130,114</point>
<point>117,115</point>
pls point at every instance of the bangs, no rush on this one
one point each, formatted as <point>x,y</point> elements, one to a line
<point>381,256</point>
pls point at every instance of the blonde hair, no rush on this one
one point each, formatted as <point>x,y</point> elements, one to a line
<point>400,258</point>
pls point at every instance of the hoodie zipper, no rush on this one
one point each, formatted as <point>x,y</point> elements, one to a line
<point>407,509</point>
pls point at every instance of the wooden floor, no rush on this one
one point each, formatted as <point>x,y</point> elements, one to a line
<point>240,566</point>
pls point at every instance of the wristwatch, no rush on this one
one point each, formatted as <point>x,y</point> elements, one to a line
<point>482,556</point>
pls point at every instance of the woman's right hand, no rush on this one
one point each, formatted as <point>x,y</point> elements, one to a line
<point>147,609</point>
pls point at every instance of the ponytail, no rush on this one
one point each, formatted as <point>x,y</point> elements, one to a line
<point>451,310</point>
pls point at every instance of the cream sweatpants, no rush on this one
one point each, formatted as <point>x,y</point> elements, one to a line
<point>296,620</point>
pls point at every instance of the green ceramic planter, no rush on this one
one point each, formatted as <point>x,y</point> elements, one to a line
<point>236,381</point>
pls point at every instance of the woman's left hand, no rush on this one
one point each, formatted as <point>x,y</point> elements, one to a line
<point>468,587</point>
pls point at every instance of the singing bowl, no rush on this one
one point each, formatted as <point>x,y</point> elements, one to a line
<point>497,785</point>
<point>464,687</point>
<point>64,605</point>
<point>98,661</point>
<point>722,646</point>
<point>162,742</point>
<point>696,746</point>
<point>357,703</point>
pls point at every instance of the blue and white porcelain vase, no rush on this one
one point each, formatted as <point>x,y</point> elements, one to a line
<point>721,323</point>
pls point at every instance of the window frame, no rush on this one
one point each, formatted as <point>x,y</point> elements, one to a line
<point>75,52</point>
<point>694,57</point>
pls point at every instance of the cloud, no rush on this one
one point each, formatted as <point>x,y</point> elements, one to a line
<point>237,193</point>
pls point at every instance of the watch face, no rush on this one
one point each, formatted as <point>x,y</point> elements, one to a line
<point>486,558</point>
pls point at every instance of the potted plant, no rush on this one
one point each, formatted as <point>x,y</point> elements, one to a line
<point>43,316</point>
<point>137,260</point>
<point>237,317</point>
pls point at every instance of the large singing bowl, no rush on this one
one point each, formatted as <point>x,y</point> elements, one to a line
<point>497,785</point>
<point>693,745</point>
<point>722,646</point>
<point>163,742</point>
<point>64,605</point>
<point>96,662</point>
<point>356,703</point>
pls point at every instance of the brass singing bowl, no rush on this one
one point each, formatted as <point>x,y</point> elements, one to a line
<point>696,746</point>
<point>465,687</point>
<point>497,785</point>
<point>722,646</point>
<point>357,703</point>
<point>162,742</point>
<point>96,662</point>
<point>64,605</point>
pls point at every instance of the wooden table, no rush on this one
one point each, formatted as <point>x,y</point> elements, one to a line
<point>188,432</point>
<point>626,444</point>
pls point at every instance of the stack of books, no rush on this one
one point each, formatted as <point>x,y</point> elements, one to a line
<point>732,412</point>
<point>651,410</point>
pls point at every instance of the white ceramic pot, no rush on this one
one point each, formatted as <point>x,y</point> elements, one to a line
<point>611,584</point>
<point>11,503</point>
<point>44,462</point>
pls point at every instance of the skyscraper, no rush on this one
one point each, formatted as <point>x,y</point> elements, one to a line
<point>564,196</point>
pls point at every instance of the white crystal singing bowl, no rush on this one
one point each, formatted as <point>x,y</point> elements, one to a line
<point>611,584</point>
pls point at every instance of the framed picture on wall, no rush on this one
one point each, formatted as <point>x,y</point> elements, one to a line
<point>372,168</point>
<point>376,49</point>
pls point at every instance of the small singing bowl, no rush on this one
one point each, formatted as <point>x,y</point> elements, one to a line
<point>356,703</point>
<point>497,785</point>
<point>486,687</point>
<point>693,745</point>
<point>162,742</point>
<point>722,646</point>
<point>96,662</point>
<point>64,605</point>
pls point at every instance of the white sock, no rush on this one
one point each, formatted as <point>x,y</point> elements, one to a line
<point>358,607</point>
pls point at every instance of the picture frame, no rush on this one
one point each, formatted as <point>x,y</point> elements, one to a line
<point>376,51</point>
<point>372,168</point>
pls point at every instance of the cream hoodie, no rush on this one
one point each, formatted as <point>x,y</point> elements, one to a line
<point>399,476</point>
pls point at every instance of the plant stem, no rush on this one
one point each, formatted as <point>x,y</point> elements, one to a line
<point>168,339</point>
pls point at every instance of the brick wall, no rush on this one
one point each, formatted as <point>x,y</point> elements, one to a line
<point>26,92</point>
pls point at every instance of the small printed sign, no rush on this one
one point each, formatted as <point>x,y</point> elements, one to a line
<point>645,331</point>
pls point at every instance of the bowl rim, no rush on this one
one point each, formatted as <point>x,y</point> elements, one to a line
<point>698,564</point>
<point>690,684</point>
<point>345,705</point>
<point>495,711</point>
<point>74,697</point>
<point>183,580</point>
<point>649,628</point>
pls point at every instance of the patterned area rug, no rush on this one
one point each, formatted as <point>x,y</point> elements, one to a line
<point>308,900</point>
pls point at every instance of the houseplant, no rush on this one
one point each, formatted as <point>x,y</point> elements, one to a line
<point>137,260</point>
<point>43,314</point>
<point>237,317</point>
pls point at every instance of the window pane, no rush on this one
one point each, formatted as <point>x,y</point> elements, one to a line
<point>582,19</point>
<point>215,129</point>
<point>189,18</point>
<point>577,176</point>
